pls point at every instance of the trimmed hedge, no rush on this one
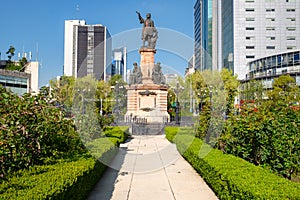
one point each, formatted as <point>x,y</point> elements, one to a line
<point>66,179</point>
<point>231,177</point>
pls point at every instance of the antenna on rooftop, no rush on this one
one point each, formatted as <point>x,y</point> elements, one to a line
<point>37,51</point>
<point>77,11</point>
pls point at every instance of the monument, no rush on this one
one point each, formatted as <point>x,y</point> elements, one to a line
<point>147,90</point>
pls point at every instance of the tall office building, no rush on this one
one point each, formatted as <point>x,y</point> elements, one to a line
<point>207,33</point>
<point>87,49</point>
<point>119,63</point>
<point>252,29</point>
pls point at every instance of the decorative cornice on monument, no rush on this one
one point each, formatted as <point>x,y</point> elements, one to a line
<point>146,49</point>
<point>147,87</point>
<point>147,109</point>
<point>147,93</point>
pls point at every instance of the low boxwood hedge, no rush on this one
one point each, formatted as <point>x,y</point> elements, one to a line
<point>231,177</point>
<point>67,178</point>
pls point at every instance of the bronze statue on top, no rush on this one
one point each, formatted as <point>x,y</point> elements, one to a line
<point>149,32</point>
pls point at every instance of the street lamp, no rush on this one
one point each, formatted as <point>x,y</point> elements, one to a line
<point>83,93</point>
<point>177,90</point>
<point>119,90</point>
<point>210,96</point>
<point>101,111</point>
<point>202,96</point>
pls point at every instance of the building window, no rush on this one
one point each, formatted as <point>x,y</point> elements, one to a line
<point>270,19</point>
<point>270,47</point>
<point>270,37</point>
<point>290,10</point>
<point>250,47</point>
<point>270,28</point>
<point>250,9</point>
<point>250,19</point>
<point>291,38</point>
<point>270,10</point>
<point>291,28</point>
<point>290,47</point>
<point>291,19</point>
<point>250,56</point>
<point>249,37</point>
<point>250,28</point>
<point>249,1</point>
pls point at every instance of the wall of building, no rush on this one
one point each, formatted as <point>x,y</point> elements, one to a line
<point>263,28</point>
<point>15,81</point>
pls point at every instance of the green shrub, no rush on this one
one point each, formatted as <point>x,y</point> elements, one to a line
<point>63,180</point>
<point>119,133</point>
<point>67,178</point>
<point>174,131</point>
<point>232,177</point>
<point>32,129</point>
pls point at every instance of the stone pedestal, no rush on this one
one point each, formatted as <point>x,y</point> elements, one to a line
<point>147,102</point>
<point>147,64</point>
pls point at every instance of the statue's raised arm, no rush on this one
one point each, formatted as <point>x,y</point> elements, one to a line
<point>149,32</point>
<point>140,17</point>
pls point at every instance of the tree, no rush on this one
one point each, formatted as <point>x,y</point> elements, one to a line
<point>252,91</point>
<point>284,88</point>
<point>10,52</point>
<point>22,63</point>
<point>116,79</point>
<point>63,92</point>
<point>231,85</point>
<point>170,103</point>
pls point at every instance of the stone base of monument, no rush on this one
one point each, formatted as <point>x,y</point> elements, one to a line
<point>147,96</point>
<point>147,129</point>
<point>147,104</point>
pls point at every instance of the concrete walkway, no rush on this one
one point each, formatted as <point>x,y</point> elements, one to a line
<point>150,167</point>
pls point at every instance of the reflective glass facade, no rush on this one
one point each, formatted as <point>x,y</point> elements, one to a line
<point>227,34</point>
<point>273,66</point>
<point>203,17</point>
<point>18,85</point>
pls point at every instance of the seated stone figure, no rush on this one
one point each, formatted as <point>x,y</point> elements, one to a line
<point>157,75</point>
<point>136,75</point>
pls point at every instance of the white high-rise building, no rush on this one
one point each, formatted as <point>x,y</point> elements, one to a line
<point>248,30</point>
<point>70,46</point>
<point>263,28</point>
<point>119,65</point>
<point>87,49</point>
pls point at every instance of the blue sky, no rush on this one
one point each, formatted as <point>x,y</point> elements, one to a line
<point>39,24</point>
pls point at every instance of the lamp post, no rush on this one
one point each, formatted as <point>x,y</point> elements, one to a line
<point>117,100</point>
<point>177,90</point>
<point>83,93</point>
<point>119,90</point>
<point>101,111</point>
<point>202,96</point>
<point>210,96</point>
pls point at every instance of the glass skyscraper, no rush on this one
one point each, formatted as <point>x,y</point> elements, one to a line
<point>206,34</point>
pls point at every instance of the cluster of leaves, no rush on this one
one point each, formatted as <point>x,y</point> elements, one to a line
<point>266,132</point>
<point>32,129</point>
<point>231,177</point>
